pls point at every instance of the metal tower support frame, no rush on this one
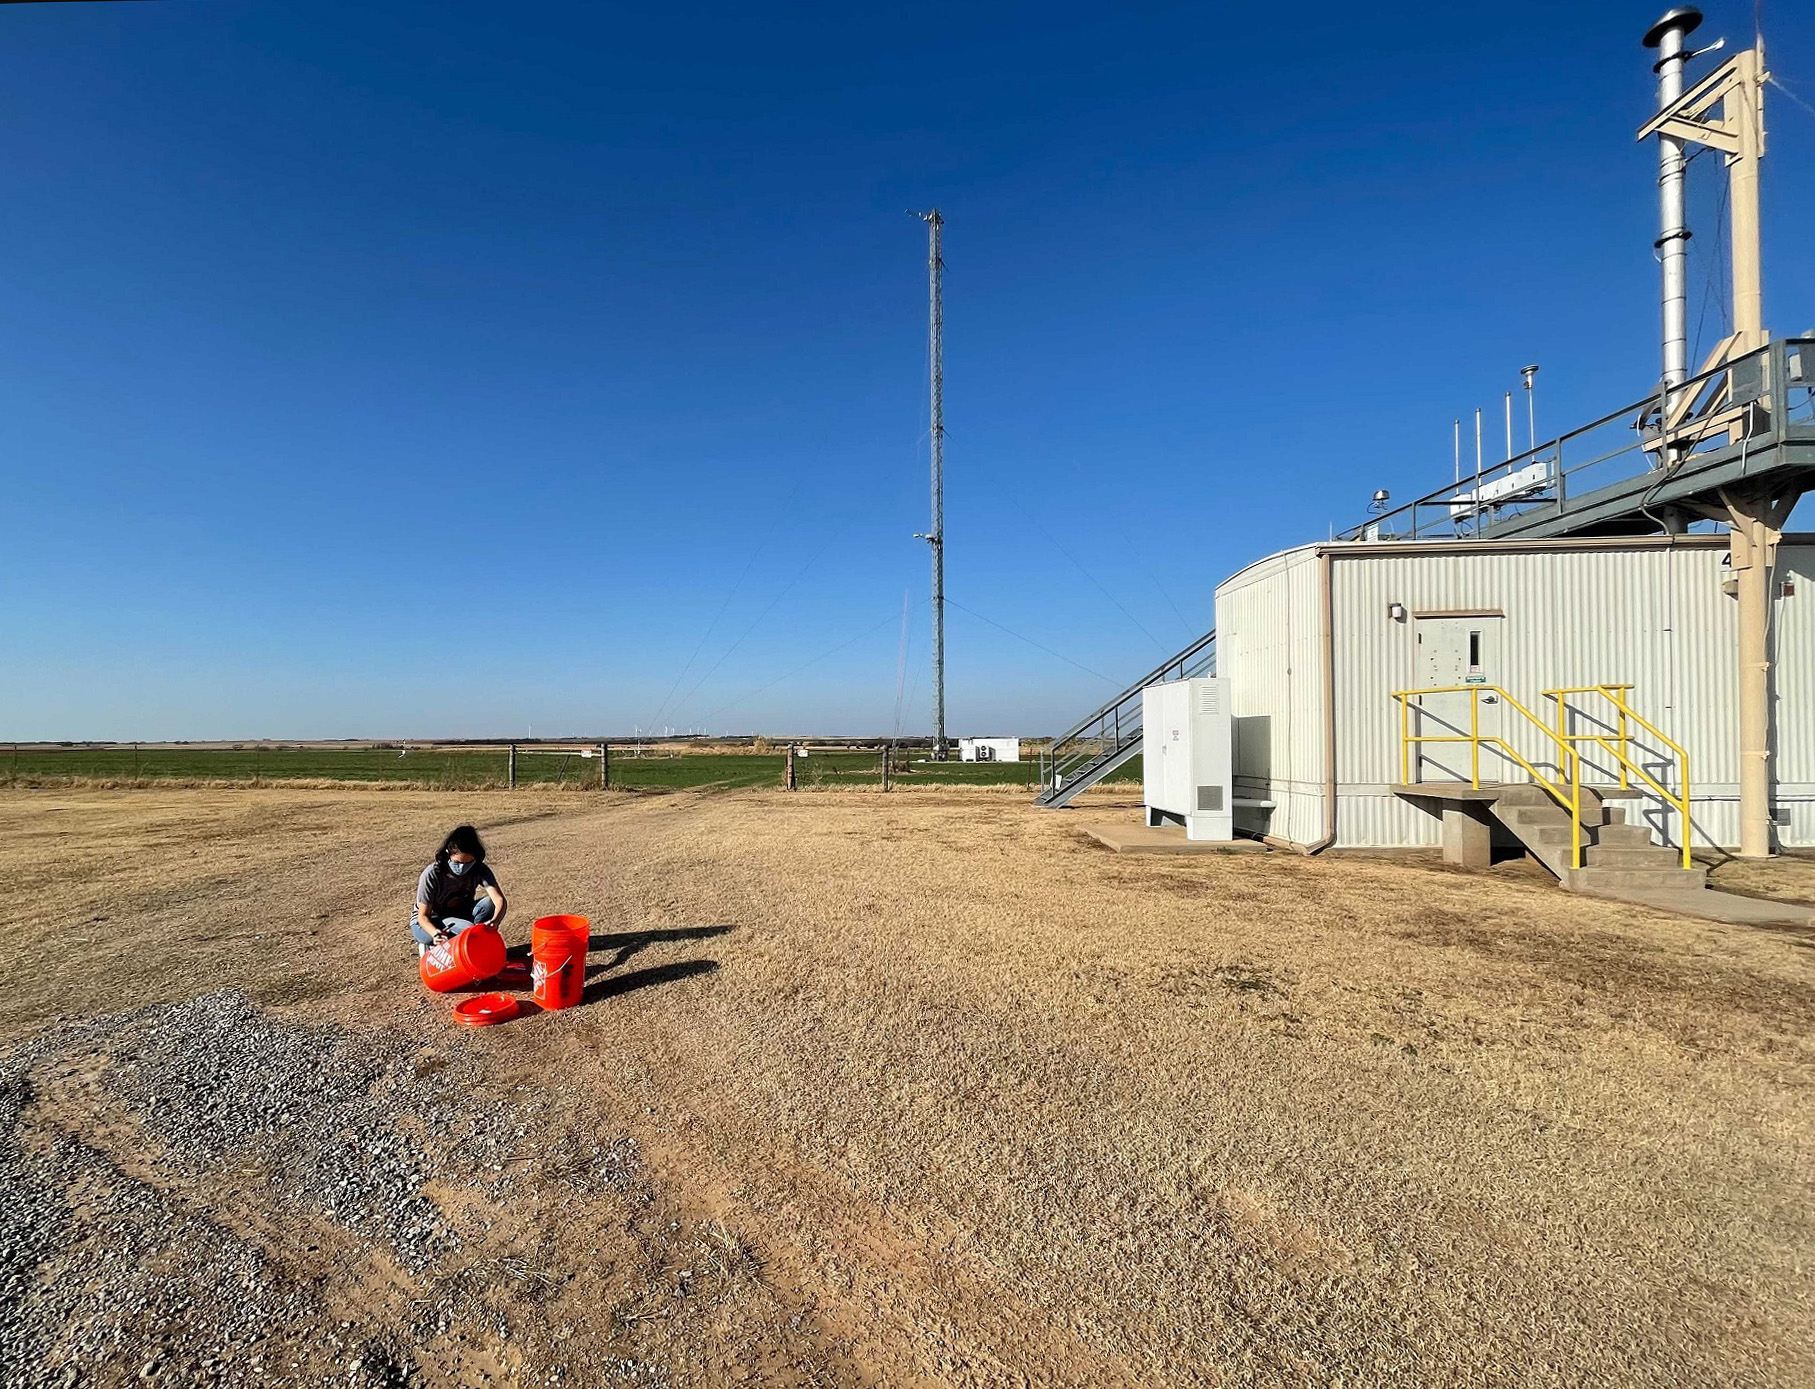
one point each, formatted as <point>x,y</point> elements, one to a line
<point>1738,133</point>
<point>1754,516</point>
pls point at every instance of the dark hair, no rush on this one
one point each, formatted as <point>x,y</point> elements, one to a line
<point>463,839</point>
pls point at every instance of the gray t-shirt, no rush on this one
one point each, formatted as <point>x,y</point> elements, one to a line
<point>448,894</point>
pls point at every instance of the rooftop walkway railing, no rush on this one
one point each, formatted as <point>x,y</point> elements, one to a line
<point>1746,407</point>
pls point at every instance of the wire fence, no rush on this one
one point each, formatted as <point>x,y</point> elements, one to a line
<point>501,767</point>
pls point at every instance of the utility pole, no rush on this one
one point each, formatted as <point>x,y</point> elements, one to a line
<point>935,538</point>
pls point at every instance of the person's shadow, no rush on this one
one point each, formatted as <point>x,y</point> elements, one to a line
<point>612,985</point>
<point>624,944</point>
<point>628,943</point>
<point>602,983</point>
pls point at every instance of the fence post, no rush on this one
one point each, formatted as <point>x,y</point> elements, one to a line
<point>886,759</point>
<point>604,766</point>
<point>510,769</point>
<point>787,780</point>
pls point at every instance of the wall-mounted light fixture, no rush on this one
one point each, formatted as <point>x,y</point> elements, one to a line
<point>1396,611</point>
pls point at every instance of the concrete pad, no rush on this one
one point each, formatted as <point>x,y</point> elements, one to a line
<point>1713,905</point>
<point>1165,839</point>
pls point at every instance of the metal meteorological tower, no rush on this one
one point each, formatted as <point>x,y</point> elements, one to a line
<point>935,537</point>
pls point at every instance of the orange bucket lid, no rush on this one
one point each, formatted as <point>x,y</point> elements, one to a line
<point>483,1010</point>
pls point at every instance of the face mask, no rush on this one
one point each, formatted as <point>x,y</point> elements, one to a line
<point>457,868</point>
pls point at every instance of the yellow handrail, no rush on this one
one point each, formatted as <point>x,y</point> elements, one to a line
<point>1616,696</point>
<point>1563,720</point>
<point>1567,793</point>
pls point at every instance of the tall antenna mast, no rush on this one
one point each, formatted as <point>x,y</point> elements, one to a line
<point>935,538</point>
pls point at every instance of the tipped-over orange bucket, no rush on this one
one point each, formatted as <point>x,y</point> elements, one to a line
<point>557,946</point>
<point>476,953</point>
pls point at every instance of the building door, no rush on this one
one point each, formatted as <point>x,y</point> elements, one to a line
<point>1454,654</point>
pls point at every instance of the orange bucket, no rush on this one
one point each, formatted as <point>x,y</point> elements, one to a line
<point>476,953</point>
<point>557,948</point>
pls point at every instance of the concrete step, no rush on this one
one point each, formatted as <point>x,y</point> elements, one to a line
<point>1523,810</point>
<point>1620,856</point>
<point>1625,836</point>
<point>1524,795</point>
<point>1548,834</point>
<point>1540,812</point>
<point>1532,818</point>
<point>1618,880</point>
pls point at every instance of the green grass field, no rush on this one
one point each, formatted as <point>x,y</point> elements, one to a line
<point>458,769</point>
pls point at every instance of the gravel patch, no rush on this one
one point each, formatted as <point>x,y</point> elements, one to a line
<point>114,1275</point>
<point>217,1078</point>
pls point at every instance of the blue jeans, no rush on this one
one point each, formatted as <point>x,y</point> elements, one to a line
<point>453,925</point>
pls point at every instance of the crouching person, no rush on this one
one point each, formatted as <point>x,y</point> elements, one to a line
<point>456,891</point>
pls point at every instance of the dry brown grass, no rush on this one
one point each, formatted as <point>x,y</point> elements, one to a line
<point>985,1104</point>
<point>1787,878</point>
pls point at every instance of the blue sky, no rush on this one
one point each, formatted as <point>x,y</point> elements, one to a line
<point>448,369</point>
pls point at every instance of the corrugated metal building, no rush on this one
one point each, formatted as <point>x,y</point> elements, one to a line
<point>1341,626</point>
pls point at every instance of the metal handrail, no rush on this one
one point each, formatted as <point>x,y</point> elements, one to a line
<point>1567,793</point>
<point>1113,726</point>
<point>1614,694</point>
<point>1655,434</point>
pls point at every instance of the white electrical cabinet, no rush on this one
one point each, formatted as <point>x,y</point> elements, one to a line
<point>1186,751</point>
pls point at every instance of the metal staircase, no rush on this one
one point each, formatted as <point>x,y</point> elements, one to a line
<point>1103,740</point>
